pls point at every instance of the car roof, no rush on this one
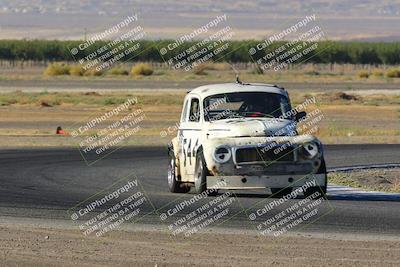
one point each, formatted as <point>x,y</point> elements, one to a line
<point>224,88</point>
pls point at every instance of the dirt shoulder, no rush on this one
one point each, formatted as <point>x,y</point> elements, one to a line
<point>34,246</point>
<point>387,180</point>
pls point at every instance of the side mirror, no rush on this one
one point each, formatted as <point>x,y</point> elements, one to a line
<point>300,115</point>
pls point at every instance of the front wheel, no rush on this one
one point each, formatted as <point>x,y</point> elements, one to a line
<point>320,189</point>
<point>280,192</point>
<point>174,185</point>
<point>200,174</point>
<point>316,192</point>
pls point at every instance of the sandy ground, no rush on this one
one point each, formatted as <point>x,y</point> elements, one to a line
<point>27,245</point>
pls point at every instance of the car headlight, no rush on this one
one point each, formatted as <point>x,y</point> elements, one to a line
<point>309,150</point>
<point>222,154</point>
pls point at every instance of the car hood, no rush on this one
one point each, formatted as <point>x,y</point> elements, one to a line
<point>242,127</point>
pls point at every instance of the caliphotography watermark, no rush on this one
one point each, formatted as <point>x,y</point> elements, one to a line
<point>207,114</point>
<point>286,140</point>
<point>278,216</point>
<point>102,134</point>
<point>294,44</point>
<point>124,201</point>
<point>205,43</point>
<point>118,43</point>
<point>189,216</point>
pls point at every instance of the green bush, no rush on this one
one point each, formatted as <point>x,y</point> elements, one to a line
<point>142,69</point>
<point>55,69</point>
<point>238,51</point>
<point>393,73</point>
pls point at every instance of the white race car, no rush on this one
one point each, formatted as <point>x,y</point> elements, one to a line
<point>243,136</point>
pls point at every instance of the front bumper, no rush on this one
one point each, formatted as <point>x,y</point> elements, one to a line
<point>264,181</point>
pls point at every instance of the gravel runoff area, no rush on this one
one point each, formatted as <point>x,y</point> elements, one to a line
<point>26,244</point>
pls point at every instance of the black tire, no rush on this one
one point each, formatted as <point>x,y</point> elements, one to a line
<point>174,185</point>
<point>280,192</point>
<point>200,174</point>
<point>320,189</point>
<point>212,192</point>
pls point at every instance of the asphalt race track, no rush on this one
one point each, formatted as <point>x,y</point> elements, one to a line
<point>46,183</point>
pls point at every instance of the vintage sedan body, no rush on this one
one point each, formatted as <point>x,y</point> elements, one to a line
<point>243,136</point>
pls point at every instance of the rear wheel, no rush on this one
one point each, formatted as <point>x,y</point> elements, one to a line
<point>174,185</point>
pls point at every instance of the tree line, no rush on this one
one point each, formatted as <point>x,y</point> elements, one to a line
<point>237,51</point>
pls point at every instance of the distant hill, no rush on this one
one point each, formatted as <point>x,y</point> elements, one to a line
<point>70,19</point>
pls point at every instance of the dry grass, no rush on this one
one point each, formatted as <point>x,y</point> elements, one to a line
<point>387,180</point>
<point>142,69</point>
<point>347,119</point>
<point>76,70</point>
<point>200,69</point>
<point>378,73</point>
<point>176,97</point>
<point>88,98</point>
<point>220,72</point>
<point>55,69</point>
<point>363,74</point>
<point>396,186</point>
<point>118,71</point>
<point>393,73</point>
<point>211,66</point>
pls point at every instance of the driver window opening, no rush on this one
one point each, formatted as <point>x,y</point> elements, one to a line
<point>194,114</point>
<point>185,111</point>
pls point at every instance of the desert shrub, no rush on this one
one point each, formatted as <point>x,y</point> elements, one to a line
<point>142,69</point>
<point>118,71</point>
<point>200,69</point>
<point>112,101</point>
<point>7,99</point>
<point>377,73</point>
<point>393,73</point>
<point>343,96</point>
<point>363,74</point>
<point>257,70</point>
<point>93,72</point>
<point>76,70</point>
<point>92,94</point>
<point>55,69</point>
<point>220,66</point>
<point>312,73</point>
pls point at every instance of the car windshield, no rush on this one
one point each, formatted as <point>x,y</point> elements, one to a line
<point>245,104</point>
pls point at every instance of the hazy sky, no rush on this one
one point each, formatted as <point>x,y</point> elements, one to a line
<point>60,19</point>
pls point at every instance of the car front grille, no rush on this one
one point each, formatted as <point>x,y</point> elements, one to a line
<point>260,154</point>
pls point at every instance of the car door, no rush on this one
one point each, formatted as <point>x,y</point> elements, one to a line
<point>189,136</point>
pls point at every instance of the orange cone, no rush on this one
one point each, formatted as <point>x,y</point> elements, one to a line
<point>61,131</point>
